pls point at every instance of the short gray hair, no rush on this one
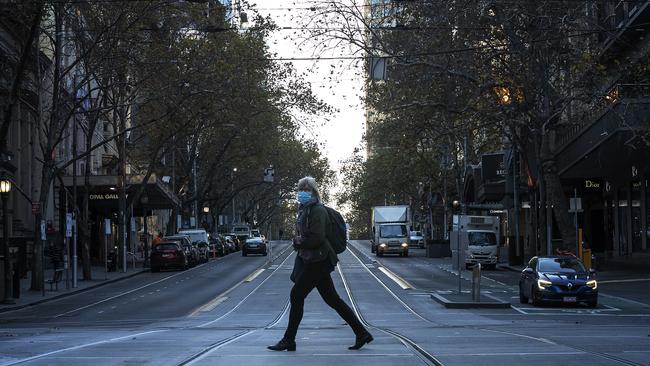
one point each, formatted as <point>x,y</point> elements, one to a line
<point>309,182</point>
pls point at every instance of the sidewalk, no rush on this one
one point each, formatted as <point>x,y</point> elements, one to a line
<point>99,278</point>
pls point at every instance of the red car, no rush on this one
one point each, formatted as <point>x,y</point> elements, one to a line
<point>168,255</point>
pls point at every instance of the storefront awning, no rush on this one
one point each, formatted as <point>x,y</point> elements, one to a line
<point>103,192</point>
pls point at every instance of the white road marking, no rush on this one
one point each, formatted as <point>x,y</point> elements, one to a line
<point>254,275</point>
<point>116,296</point>
<point>513,354</point>
<point>624,299</point>
<point>397,279</point>
<point>80,346</point>
<point>629,280</point>
<point>245,298</point>
<point>210,305</point>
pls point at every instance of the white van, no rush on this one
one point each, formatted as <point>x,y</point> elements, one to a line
<point>196,235</point>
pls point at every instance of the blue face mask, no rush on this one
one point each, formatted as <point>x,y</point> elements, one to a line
<point>303,197</point>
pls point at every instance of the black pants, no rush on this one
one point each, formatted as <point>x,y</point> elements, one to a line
<point>318,275</point>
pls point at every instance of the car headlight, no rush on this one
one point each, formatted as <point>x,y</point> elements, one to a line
<point>593,284</point>
<point>405,245</point>
<point>542,284</point>
<point>382,245</point>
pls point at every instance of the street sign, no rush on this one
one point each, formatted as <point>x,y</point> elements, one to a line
<point>107,227</point>
<point>269,174</point>
<point>36,208</point>
<point>68,225</point>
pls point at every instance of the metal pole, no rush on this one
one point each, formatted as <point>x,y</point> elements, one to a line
<point>575,219</point>
<point>515,189</point>
<point>549,226</point>
<point>232,194</point>
<point>74,203</point>
<point>5,245</point>
<point>458,252</point>
<point>444,207</point>
<point>146,236</point>
<point>106,256</point>
<point>196,212</point>
<point>123,203</point>
<point>42,239</point>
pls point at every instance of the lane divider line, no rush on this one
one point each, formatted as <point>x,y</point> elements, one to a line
<point>210,305</point>
<point>247,296</point>
<point>193,312</point>
<point>254,275</point>
<point>404,284</point>
<point>392,293</point>
<point>32,358</point>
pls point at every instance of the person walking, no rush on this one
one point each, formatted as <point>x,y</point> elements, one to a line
<point>315,260</point>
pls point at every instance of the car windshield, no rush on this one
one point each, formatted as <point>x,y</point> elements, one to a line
<point>195,236</point>
<point>563,265</point>
<point>482,239</point>
<point>161,247</point>
<point>416,233</point>
<point>392,231</point>
<point>241,230</point>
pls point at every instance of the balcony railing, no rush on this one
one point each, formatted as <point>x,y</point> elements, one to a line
<point>618,93</point>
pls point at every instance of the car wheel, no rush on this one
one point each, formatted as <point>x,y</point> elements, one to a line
<point>265,254</point>
<point>372,249</point>
<point>534,297</point>
<point>406,254</point>
<point>522,298</point>
<point>380,254</point>
<point>243,253</point>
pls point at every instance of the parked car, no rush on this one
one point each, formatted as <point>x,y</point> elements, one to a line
<point>168,254</point>
<point>229,243</point>
<point>190,248</point>
<point>558,279</point>
<point>237,240</point>
<point>204,252</point>
<point>254,246</point>
<point>217,247</point>
<point>416,239</point>
<point>196,235</point>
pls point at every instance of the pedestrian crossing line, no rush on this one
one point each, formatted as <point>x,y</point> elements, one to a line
<point>254,275</point>
<point>405,285</point>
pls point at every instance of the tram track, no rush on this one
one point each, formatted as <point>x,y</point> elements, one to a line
<point>426,357</point>
<point>601,355</point>
<point>195,357</point>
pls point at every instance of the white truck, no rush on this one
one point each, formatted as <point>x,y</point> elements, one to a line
<point>390,230</point>
<point>479,240</point>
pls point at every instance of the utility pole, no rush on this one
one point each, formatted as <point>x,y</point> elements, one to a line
<point>74,200</point>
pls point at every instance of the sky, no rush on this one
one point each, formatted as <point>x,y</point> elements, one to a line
<point>333,81</point>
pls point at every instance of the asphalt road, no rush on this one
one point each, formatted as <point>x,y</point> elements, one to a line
<point>227,311</point>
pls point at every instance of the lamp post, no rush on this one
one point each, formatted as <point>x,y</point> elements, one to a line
<point>206,211</point>
<point>232,193</point>
<point>5,188</point>
<point>144,199</point>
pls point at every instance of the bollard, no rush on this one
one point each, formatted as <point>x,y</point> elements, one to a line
<point>476,283</point>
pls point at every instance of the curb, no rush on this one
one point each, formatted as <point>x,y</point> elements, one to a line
<point>498,304</point>
<point>70,293</point>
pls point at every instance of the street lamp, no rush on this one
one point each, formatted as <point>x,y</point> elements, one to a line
<point>144,199</point>
<point>5,188</point>
<point>232,194</point>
